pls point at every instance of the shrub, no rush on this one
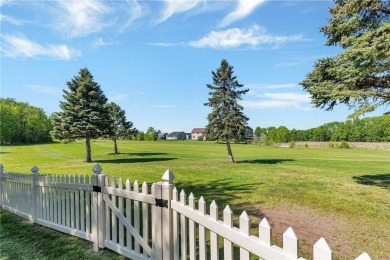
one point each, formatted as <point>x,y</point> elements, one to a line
<point>332,145</point>
<point>344,145</point>
<point>306,145</point>
<point>292,144</point>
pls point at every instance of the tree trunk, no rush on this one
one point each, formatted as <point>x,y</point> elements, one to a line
<point>88,148</point>
<point>229,152</point>
<point>115,146</point>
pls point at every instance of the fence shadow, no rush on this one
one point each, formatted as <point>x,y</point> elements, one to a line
<point>138,154</point>
<point>135,160</point>
<point>380,180</point>
<point>266,161</point>
<point>223,191</point>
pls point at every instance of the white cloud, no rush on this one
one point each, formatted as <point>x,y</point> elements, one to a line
<point>45,89</point>
<point>4,2</point>
<point>11,20</point>
<point>101,43</point>
<point>20,46</point>
<point>244,8</point>
<point>280,100</point>
<point>177,6</point>
<point>79,18</point>
<point>232,38</point>
<point>271,86</point>
<point>135,10</point>
<point>117,97</point>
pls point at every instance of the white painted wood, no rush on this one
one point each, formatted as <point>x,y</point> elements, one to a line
<point>202,231</point>
<point>175,220</point>
<point>290,243</point>
<point>157,216</point>
<point>82,206</point>
<point>120,206</point>
<point>321,250</point>
<point>72,204</point>
<point>131,254</point>
<point>67,203</point>
<point>363,256</point>
<point>183,228</point>
<point>228,221</point>
<point>244,228</point>
<point>130,195</point>
<point>114,225</point>
<point>145,216</point>
<point>88,195</point>
<point>66,230</point>
<point>214,249</point>
<point>34,193</point>
<point>129,242</point>
<point>94,212</point>
<point>77,203</point>
<point>265,232</point>
<point>63,203</point>
<point>167,216</point>
<point>136,218</point>
<point>191,224</point>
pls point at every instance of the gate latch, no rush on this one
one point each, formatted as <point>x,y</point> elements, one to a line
<point>161,203</point>
<point>96,188</point>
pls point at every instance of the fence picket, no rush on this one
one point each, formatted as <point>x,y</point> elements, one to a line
<point>214,250</point>
<point>136,217</point>
<point>290,243</point>
<point>120,206</point>
<point>321,250</point>
<point>175,220</point>
<point>145,217</point>
<point>88,207</point>
<point>114,237</point>
<point>108,222</point>
<point>227,245</point>
<point>77,204</point>
<point>183,227</point>
<point>202,231</point>
<point>72,204</point>
<point>265,232</point>
<point>244,228</point>
<point>128,217</point>
<point>82,206</point>
<point>63,207</point>
<point>191,224</point>
<point>67,203</point>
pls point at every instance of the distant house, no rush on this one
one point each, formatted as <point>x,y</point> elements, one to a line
<point>249,133</point>
<point>196,133</point>
<point>162,136</point>
<point>176,136</point>
<point>188,135</point>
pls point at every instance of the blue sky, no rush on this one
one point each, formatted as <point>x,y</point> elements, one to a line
<point>154,58</point>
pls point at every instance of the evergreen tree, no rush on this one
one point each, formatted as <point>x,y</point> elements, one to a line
<point>360,76</point>
<point>84,113</point>
<point>226,120</point>
<point>120,127</point>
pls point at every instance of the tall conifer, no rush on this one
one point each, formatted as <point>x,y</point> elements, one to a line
<point>84,114</point>
<point>226,120</point>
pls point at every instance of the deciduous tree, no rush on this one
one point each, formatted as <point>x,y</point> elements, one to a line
<point>84,113</point>
<point>226,120</point>
<point>360,76</point>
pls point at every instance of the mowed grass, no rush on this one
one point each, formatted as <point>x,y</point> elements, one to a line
<point>346,191</point>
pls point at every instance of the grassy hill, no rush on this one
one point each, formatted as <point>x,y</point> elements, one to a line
<point>340,194</point>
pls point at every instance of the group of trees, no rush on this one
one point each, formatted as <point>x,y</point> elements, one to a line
<point>369,129</point>
<point>151,134</point>
<point>22,123</point>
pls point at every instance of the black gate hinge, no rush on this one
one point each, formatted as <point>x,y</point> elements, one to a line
<point>96,188</point>
<point>161,203</point>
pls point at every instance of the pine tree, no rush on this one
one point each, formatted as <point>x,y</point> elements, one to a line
<point>359,76</point>
<point>120,127</point>
<point>226,120</point>
<point>84,114</point>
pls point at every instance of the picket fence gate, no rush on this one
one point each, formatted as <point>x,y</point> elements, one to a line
<point>142,223</point>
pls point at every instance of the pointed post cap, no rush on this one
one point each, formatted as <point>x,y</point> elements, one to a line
<point>34,169</point>
<point>363,256</point>
<point>265,223</point>
<point>97,169</point>
<point>168,176</point>
<point>290,233</point>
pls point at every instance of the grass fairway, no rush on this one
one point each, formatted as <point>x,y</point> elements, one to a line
<point>342,195</point>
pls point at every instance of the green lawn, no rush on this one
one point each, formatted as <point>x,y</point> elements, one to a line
<point>341,194</point>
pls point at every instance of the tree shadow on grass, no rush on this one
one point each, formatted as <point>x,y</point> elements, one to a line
<point>135,160</point>
<point>266,161</point>
<point>222,191</point>
<point>380,180</point>
<point>138,154</point>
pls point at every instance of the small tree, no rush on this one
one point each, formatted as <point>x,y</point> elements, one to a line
<point>120,127</point>
<point>226,120</point>
<point>84,113</point>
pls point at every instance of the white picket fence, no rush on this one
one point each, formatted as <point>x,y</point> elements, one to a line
<point>142,223</point>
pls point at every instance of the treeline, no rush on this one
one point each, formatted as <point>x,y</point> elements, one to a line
<point>369,129</point>
<point>22,123</point>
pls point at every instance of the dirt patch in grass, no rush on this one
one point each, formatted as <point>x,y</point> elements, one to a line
<point>310,226</point>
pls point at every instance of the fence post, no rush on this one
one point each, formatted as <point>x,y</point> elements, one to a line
<point>101,210</point>
<point>157,217</point>
<point>34,193</point>
<point>97,170</point>
<point>1,185</point>
<point>167,224</point>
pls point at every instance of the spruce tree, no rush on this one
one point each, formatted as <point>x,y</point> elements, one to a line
<point>359,76</point>
<point>84,114</point>
<point>120,127</point>
<point>226,121</point>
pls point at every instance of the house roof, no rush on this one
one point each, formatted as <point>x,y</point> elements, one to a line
<point>198,130</point>
<point>175,134</point>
